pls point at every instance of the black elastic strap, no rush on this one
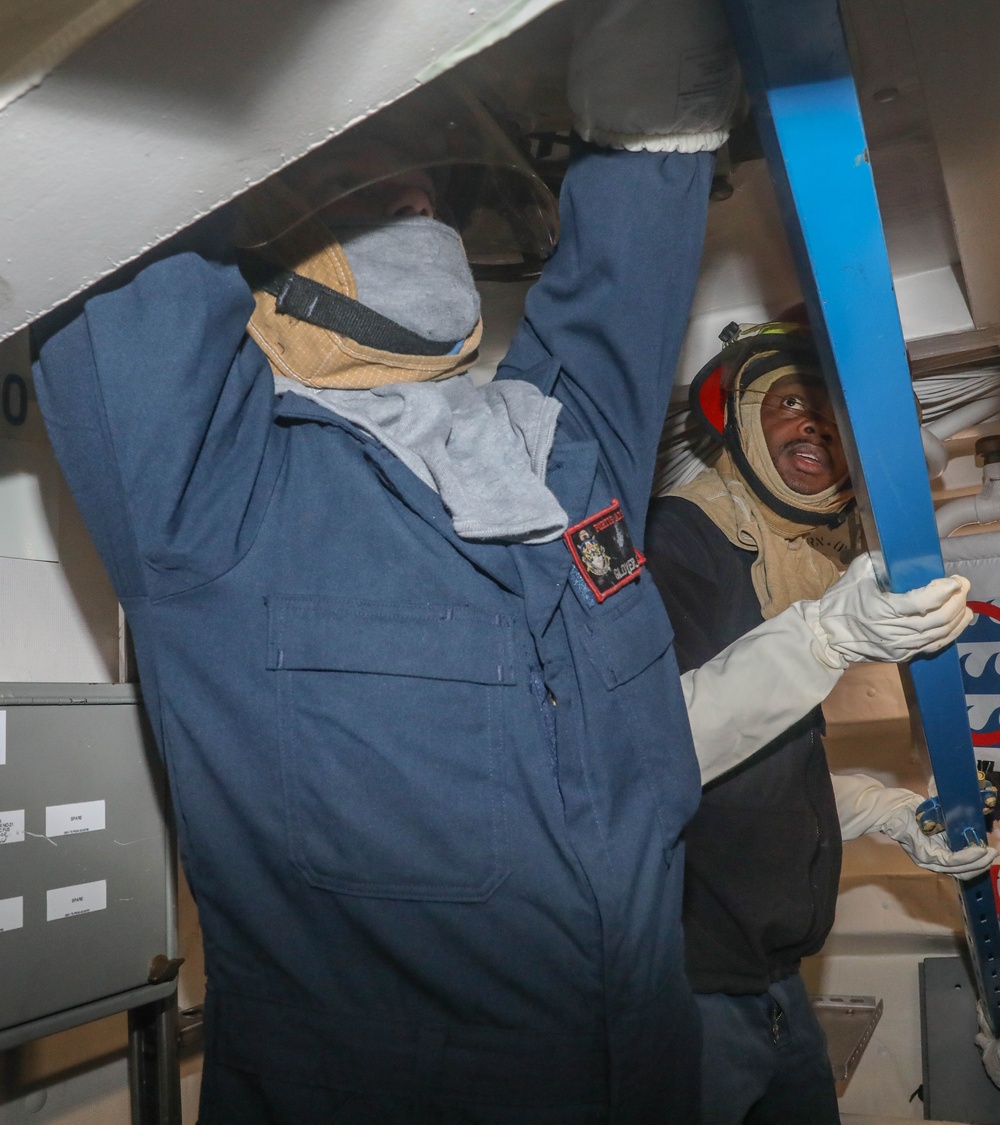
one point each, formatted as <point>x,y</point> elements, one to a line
<point>317,304</point>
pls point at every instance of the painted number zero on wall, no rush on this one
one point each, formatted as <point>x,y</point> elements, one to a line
<point>14,399</point>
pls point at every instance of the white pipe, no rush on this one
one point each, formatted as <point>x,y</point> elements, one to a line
<point>935,453</point>
<point>983,508</point>
<point>980,410</point>
<point>955,514</point>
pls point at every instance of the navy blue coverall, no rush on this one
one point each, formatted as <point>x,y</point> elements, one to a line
<point>428,792</point>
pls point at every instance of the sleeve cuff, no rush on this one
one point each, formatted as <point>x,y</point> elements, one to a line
<point>653,142</point>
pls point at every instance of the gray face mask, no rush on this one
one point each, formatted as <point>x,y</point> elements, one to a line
<point>413,270</point>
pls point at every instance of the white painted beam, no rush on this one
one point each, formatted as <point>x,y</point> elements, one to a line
<point>183,104</point>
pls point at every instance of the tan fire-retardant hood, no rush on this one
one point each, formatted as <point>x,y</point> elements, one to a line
<point>320,357</point>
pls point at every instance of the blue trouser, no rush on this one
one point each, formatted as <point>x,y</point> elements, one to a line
<point>232,1096</point>
<point>764,1060</point>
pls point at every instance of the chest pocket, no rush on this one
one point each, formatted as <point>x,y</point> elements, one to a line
<point>392,731</point>
<point>624,642</point>
<point>631,648</point>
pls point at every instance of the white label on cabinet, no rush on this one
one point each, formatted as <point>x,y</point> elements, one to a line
<point>12,826</point>
<point>65,902</point>
<point>65,820</point>
<point>3,738</point>
<point>11,914</point>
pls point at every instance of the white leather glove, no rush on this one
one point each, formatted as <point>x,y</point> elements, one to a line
<point>659,75</point>
<point>855,620</point>
<point>753,691</point>
<point>866,805</point>
<point>768,678</point>
<point>772,676</point>
<point>989,1046</point>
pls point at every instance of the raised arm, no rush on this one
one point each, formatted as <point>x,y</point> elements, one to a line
<point>652,86</point>
<point>159,413</point>
<point>612,305</point>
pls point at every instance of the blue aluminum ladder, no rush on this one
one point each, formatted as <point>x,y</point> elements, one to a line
<point>798,76</point>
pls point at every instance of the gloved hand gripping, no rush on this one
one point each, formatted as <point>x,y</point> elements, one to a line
<point>653,75</point>
<point>765,681</point>
<point>855,620</point>
<point>865,805</point>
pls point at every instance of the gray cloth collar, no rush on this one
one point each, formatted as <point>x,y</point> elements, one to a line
<point>484,450</point>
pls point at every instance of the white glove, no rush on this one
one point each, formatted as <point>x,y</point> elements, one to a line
<point>855,620</point>
<point>763,682</point>
<point>866,805</point>
<point>753,691</point>
<point>659,75</point>
<point>989,1046</point>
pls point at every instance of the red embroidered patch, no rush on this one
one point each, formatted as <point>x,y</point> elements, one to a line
<point>603,551</point>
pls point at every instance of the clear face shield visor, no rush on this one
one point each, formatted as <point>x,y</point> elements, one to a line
<point>437,152</point>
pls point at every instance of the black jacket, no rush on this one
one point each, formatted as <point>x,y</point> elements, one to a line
<point>763,850</point>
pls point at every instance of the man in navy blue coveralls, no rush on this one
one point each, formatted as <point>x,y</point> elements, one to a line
<point>429,891</point>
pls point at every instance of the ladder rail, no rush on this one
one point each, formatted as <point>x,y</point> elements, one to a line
<point>797,71</point>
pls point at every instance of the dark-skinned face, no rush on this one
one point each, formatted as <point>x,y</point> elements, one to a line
<point>801,434</point>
